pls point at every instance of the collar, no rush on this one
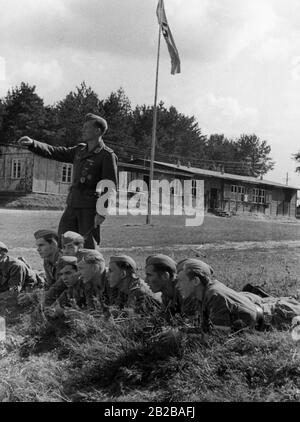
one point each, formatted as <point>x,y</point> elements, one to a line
<point>98,148</point>
<point>54,258</point>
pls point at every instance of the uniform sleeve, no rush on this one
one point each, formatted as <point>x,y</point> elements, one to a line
<point>216,311</point>
<point>16,277</point>
<point>54,292</point>
<point>62,154</point>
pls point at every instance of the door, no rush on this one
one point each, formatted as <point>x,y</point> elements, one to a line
<point>214,198</point>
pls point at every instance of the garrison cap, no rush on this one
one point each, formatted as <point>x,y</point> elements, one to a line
<point>66,260</point>
<point>90,256</point>
<point>199,267</point>
<point>100,122</point>
<point>46,234</point>
<point>124,259</point>
<point>181,264</point>
<point>161,259</point>
<point>3,247</point>
<point>70,237</point>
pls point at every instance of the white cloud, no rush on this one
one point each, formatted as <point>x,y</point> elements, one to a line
<point>49,74</point>
<point>224,115</point>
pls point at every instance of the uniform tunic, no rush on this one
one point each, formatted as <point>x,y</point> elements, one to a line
<point>223,306</point>
<point>50,268</point>
<point>139,297</point>
<point>89,168</point>
<point>16,275</point>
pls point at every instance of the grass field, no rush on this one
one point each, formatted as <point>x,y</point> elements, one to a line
<point>85,358</point>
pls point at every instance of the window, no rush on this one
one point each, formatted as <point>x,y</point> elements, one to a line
<point>259,196</point>
<point>67,171</point>
<point>194,187</point>
<point>238,192</point>
<point>16,169</point>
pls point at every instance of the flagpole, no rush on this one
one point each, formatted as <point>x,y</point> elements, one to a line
<point>154,128</point>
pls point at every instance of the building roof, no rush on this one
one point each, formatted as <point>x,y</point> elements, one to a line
<point>226,176</point>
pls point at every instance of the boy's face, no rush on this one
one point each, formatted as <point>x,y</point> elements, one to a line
<point>70,249</point>
<point>115,274</point>
<point>67,275</point>
<point>153,279</point>
<point>44,248</point>
<point>185,286</point>
<point>90,131</point>
<point>86,270</point>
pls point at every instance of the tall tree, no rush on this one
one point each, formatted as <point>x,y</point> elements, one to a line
<point>24,114</point>
<point>116,109</point>
<point>251,150</point>
<point>177,134</point>
<point>70,113</point>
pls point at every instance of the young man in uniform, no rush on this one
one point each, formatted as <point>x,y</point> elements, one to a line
<point>72,243</point>
<point>161,276</point>
<point>92,270</point>
<point>47,247</point>
<point>223,308</point>
<point>15,275</point>
<point>74,294</point>
<point>132,292</point>
<point>93,162</point>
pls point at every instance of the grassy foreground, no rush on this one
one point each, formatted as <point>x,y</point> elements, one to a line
<point>82,357</point>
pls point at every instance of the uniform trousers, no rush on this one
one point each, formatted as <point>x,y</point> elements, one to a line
<point>80,220</point>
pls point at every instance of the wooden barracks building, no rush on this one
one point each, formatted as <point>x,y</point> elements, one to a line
<point>23,172</point>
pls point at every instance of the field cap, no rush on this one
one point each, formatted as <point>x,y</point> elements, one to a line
<point>161,259</point>
<point>66,260</point>
<point>71,237</point>
<point>46,234</point>
<point>124,259</point>
<point>100,122</point>
<point>199,267</point>
<point>90,256</point>
<point>3,247</point>
<point>181,263</point>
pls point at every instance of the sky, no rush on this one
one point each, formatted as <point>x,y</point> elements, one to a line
<point>240,60</point>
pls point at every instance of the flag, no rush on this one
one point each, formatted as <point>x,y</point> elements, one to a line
<point>165,29</point>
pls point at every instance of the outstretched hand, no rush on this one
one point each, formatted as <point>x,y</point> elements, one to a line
<point>25,141</point>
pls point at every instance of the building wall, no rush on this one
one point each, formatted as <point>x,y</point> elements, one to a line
<point>47,177</point>
<point>8,183</point>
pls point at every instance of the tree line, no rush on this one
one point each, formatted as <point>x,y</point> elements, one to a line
<point>179,137</point>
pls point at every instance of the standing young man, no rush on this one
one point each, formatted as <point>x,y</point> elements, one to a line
<point>93,162</point>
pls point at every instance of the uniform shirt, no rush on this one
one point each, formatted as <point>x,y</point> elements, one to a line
<point>74,295</point>
<point>88,169</point>
<point>139,297</point>
<point>16,275</point>
<point>223,306</point>
<point>175,304</point>
<point>54,291</point>
<point>50,268</point>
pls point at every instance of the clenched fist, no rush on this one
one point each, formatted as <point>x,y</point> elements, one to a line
<point>25,141</point>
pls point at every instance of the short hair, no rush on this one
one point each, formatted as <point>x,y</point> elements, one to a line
<point>125,266</point>
<point>191,273</point>
<point>162,268</point>
<point>99,122</point>
<point>47,235</point>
